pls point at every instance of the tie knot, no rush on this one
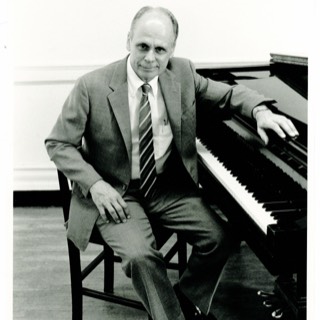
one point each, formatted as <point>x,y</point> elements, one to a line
<point>146,88</point>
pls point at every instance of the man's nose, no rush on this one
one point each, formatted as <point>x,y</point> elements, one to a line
<point>150,56</point>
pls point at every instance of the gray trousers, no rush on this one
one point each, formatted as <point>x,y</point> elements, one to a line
<point>177,206</point>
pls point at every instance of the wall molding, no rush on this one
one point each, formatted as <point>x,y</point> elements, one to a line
<point>50,74</point>
<point>35,179</point>
<point>61,74</point>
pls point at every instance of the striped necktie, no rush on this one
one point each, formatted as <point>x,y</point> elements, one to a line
<point>148,174</point>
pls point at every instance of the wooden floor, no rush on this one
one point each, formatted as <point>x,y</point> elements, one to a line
<point>41,288</point>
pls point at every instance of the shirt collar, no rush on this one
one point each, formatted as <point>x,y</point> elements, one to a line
<point>134,82</point>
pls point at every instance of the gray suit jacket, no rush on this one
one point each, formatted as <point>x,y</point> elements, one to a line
<point>91,139</point>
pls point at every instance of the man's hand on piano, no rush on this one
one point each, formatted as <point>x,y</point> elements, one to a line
<point>282,126</point>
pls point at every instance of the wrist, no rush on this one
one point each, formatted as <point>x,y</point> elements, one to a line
<point>95,185</point>
<point>258,109</point>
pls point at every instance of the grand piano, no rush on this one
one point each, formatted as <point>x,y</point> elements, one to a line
<point>262,190</point>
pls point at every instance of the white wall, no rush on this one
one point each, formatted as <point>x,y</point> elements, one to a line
<point>76,32</point>
<point>55,41</point>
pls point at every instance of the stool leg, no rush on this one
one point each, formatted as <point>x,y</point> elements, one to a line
<point>76,281</point>
<point>108,269</point>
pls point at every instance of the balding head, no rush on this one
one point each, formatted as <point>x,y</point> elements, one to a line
<point>156,11</point>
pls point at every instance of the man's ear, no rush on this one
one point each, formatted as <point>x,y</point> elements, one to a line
<point>172,53</point>
<point>128,41</point>
<point>172,49</point>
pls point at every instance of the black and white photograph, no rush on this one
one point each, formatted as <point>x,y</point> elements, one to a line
<point>160,160</point>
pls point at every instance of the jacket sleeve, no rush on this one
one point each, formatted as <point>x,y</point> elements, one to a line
<point>65,140</point>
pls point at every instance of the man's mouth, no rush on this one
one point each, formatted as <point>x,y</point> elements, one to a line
<point>148,69</point>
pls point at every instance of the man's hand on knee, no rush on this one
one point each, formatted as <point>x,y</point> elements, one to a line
<point>109,202</point>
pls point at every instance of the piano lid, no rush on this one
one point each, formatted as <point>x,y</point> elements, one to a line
<point>292,69</point>
<point>288,100</point>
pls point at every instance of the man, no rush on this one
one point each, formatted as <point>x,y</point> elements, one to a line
<point>100,143</point>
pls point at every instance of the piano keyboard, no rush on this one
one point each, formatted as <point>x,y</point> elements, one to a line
<point>254,209</point>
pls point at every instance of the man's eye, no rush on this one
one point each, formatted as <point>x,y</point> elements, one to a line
<point>160,50</point>
<point>143,47</point>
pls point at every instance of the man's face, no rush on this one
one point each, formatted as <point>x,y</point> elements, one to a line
<point>151,45</point>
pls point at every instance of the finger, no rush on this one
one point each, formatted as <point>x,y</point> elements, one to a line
<point>278,130</point>
<point>291,129</point>
<point>286,126</point>
<point>103,214</point>
<point>263,135</point>
<point>125,207</point>
<point>112,212</point>
<point>120,212</point>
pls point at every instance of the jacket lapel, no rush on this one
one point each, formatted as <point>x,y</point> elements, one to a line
<point>172,97</point>
<point>118,99</point>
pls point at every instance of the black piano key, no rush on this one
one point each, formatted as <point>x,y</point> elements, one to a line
<point>286,221</point>
<point>283,204</point>
<point>288,212</point>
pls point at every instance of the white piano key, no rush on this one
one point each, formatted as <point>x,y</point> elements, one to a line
<point>245,199</point>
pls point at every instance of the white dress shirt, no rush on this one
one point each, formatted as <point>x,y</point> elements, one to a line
<point>162,134</point>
